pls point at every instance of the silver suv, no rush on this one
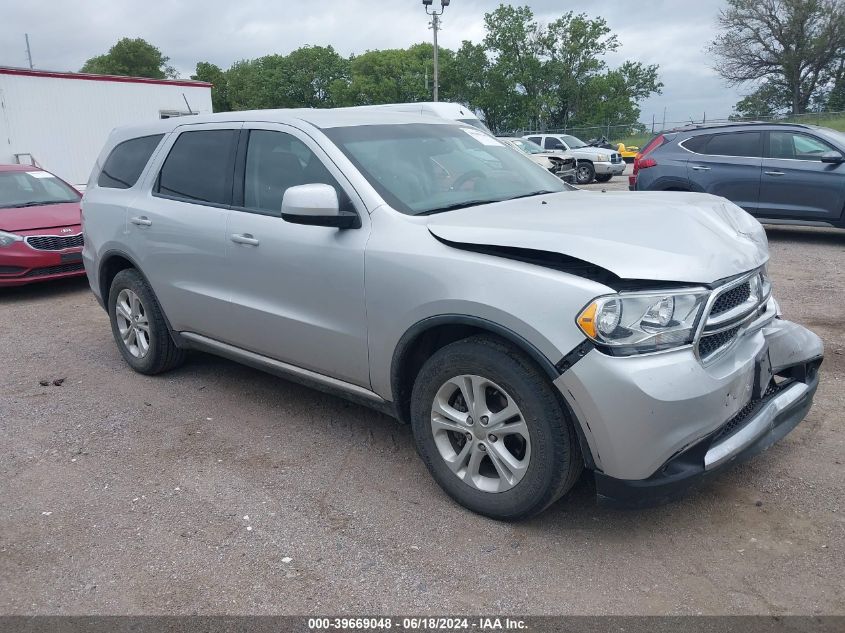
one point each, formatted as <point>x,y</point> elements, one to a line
<point>524,330</point>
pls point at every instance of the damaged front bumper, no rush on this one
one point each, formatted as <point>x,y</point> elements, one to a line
<point>656,425</point>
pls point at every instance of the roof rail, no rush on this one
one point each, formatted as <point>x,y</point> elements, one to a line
<point>705,126</point>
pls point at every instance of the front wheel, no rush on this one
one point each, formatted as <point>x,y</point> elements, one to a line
<point>492,431</point>
<point>585,173</point>
<point>603,177</point>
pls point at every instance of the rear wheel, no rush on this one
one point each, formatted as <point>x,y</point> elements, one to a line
<point>584,173</point>
<point>491,430</point>
<point>603,177</point>
<point>138,325</point>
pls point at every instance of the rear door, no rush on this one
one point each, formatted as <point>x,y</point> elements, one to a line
<point>727,164</point>
<point>177,227</point>
<point>796,184</point>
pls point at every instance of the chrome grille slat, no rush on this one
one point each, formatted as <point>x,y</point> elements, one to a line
<point>730,310</point>
<point>54,242</point>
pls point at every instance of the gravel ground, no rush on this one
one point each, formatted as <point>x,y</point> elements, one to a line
<point>220,489</point>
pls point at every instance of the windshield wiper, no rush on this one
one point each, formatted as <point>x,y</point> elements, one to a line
<point>456,205</point>
<point>541,192</point>
<point>474,203</point>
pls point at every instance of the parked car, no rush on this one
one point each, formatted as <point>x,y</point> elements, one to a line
<point>593,163</point>
<point>524,329</point>
<point>561,165</point>
<point>40,232</point>
<point>778,172</point>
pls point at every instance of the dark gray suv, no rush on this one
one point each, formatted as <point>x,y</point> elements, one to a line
<point>780,173</point>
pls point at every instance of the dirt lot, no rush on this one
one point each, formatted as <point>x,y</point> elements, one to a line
<point>219,489</point>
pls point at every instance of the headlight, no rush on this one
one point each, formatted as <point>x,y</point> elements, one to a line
<point>640,322</point>
<point>603,158</point>
<point>7,239</point>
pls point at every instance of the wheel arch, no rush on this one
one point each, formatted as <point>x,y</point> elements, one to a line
<point>114,261</point>
<point>427,336</point>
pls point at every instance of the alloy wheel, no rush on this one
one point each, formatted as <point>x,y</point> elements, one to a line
<point>132,323</point>
<point>480,433</point>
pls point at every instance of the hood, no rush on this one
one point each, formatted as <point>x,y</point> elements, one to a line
<point>589,152</point>
<point>43,217</point>
<point>661,236</point>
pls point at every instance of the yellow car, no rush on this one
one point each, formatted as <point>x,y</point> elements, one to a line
<point>629,153</point>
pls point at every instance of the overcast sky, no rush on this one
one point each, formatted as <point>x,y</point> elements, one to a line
<point>64,33</point>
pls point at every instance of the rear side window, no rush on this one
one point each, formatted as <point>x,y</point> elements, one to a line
<point>536,139</point>
<point>127,160</point>
<point>697,143</point>
<point>747,144</point>
<point>199,167</point>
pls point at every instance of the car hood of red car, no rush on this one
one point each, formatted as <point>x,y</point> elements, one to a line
<point>44,217</point>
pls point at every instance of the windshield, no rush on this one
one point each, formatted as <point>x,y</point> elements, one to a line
<point>528,147</point>
<point>573,142</point>
<point>33,188</point>
<point>421,168</point>
<point>475,123</point>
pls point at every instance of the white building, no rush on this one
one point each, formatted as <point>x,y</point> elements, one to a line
<point>61,120</point>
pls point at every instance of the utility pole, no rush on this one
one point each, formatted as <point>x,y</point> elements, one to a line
<point>435,26</point>
<point>28,51</point>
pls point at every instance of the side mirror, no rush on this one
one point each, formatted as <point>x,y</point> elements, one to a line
<point>833,157</point>
<point>316,205</point>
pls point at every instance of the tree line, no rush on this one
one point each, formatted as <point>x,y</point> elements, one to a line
<point>524,74</point>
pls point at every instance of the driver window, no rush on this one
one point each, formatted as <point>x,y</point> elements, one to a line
<point>553,143</point>
<point>276,161</point>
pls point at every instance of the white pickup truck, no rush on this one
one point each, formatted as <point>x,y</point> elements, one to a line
<point>594,163</point>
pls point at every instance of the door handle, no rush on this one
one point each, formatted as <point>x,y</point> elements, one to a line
<point>244,238</point>
<point>141,221</point>
<point>700,168</point>
<point>774,173</point>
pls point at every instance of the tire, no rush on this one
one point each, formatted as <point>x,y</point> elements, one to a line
<point>603,177</point>
<point>150,352</point>
<point>548,453</point>
<point>584,173</point>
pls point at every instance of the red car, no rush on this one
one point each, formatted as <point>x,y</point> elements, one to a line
<point>40,226</point>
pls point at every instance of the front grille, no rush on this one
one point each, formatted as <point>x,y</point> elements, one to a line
<point>55,270</point>
<point>54,242</point>
<point>10,270</point>
<point>714,342</point>
<point>738,421</point>
<point>731,299</point>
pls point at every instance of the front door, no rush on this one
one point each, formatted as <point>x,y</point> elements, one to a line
<point>796,184</point>
<point>297,291</point>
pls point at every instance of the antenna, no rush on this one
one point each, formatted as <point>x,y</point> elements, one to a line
<point>28,51</point>
<point>187,104</point>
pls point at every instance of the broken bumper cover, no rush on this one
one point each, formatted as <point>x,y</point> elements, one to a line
<point>657,424</point>
<point>775,418</point>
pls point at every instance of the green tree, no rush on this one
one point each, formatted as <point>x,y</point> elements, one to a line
<point>131,58</point>
<point>214,75</point>
<point>395,76</point>
<point>792,45</point>
<point>765,102</point>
